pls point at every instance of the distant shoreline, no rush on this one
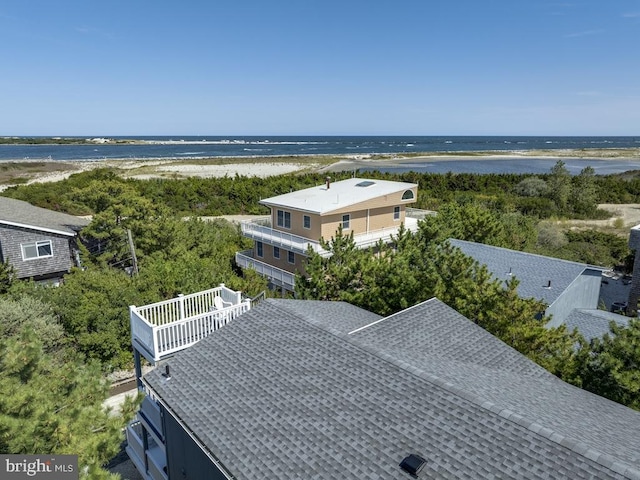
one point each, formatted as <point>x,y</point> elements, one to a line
<point>17,172</point>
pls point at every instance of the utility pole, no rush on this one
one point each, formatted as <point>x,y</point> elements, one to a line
<point>132,249</point>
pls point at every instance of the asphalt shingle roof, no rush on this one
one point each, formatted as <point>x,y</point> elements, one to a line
<point>23,213</point>
<point>282,392</point>
<point>593,323</point>
<point>533,271</point>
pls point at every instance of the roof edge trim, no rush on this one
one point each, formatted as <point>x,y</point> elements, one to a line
<point>35,227</point>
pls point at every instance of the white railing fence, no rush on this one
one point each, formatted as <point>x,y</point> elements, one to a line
<point>276,275</point>
<point>166,327</point>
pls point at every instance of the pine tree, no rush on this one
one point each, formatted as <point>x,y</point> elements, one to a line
<point>54,406</point>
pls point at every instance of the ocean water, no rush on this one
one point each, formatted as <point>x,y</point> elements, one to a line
<point>353,146</point>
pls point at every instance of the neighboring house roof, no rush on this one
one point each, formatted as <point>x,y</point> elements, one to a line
<point>593,323</point>
<point>18,213</point>
<point>534,272</point>
<point>283,392</point>
<point>322,200</point>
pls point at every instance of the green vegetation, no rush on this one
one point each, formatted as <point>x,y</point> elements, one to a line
<point>51,400</point>
<point>56,344</point>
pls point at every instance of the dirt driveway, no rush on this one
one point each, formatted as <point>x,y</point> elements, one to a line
<point>624,216</point>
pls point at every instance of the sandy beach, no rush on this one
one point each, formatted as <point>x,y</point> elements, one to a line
<point>26,172</point>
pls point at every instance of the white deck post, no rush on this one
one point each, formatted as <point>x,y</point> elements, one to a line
<point>181,305</point>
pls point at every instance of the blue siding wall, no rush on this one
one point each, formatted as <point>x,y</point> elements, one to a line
<point>185,459</point>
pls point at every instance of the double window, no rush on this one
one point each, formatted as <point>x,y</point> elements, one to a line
<point>283,219</point>
<point>35,250</point>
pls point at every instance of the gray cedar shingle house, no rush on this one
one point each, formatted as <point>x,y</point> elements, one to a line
<point>38,243</point>
<point>303,389</point>
<point>563,285</point>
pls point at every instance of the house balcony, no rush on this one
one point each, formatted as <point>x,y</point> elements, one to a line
<point>151,462</point>
<point>261,230</point>
<point>164,328</point>
<point>277,276</point>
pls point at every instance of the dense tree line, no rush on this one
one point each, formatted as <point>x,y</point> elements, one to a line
<point>543,196</point>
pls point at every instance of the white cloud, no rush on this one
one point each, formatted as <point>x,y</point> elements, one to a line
<point>631,15</point>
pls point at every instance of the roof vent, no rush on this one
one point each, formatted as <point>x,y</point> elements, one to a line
<point>167,372</point>
<point>366,183</point>
<point>412,464</point>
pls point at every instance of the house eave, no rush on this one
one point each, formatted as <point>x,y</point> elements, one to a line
<point>35,227</point>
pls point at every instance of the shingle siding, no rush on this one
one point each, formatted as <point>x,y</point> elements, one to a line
<point>11,239</point>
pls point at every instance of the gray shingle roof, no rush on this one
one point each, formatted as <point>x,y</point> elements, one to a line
<point>533,271</point>
<point>283,393</point>
<point>18,212</point>
<point>593,323</point>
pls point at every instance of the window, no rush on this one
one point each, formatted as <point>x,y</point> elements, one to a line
<point>346,221</point>
<point>407,195</point>
<point>306,221</point>
<point>291,257</point>
<point>284,219</point>
<point>396,213</point>
<point>276,252</point>
<point>259,249</point>
<point>35,250</point>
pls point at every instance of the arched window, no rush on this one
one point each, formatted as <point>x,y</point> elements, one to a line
<point>407,195</point>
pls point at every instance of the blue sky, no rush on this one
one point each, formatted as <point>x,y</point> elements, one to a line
<point>304,67</point>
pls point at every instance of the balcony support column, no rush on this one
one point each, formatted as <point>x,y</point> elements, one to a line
<point>137,361</point>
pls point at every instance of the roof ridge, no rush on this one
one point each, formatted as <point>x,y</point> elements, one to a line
<point>392,315</point>
<point>526,253</point>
